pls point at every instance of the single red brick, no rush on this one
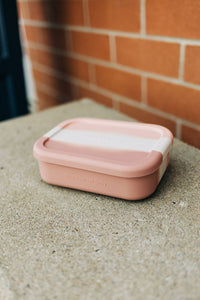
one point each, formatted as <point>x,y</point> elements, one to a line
<point>40,10</point>
<point>190,136</point>
<point>173,18</point>
<point>68,12</point>
<point>147,117</point>
<point>53,37</point>
<point>115,14</point>
<point>178,100</point>
<point>32,33</point>
<point>91,44</point>
<point>33,54</point>
<point>151,56</point>
<point>192,64</point>
<point>123,83</point>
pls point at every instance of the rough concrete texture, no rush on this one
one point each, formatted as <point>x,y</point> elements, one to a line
<point>59,243</point>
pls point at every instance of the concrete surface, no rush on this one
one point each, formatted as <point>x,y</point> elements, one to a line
<point>59,243</point>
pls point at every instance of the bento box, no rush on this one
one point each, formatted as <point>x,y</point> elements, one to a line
<point>116,158</point>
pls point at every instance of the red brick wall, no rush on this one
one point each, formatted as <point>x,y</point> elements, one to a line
<point>139,57</point>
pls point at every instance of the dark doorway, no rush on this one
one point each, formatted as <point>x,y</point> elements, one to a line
<point>13,100</point>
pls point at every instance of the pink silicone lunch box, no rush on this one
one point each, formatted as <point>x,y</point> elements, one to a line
<point>116,158</point>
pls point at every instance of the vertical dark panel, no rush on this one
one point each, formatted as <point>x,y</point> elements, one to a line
<point>13,100</point>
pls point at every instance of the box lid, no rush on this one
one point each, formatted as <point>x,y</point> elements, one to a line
<point>119,148</point>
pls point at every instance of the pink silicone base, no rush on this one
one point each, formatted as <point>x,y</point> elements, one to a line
<point>126,188</point>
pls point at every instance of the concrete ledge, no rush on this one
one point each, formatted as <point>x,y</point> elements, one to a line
<point>59,243</point>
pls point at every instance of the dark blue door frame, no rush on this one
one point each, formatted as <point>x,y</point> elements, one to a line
<point>13,100</point>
